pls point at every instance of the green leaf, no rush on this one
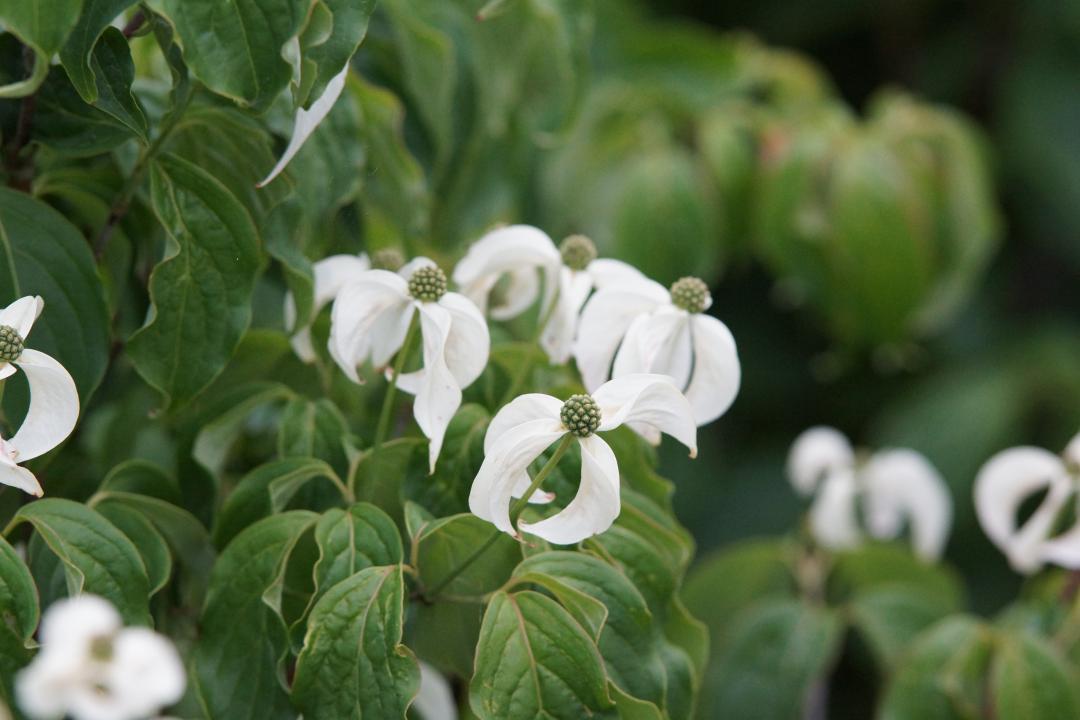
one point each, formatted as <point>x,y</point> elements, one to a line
<point>220,421</point>
<point>1030,679</point>
<point>43,25</point>
<point>235,46</point>
<point>380,473</point>
<point>353,540</point>
<point>314,429</point>
<point>281,232</point>
<point>97,557</point>
<point>243,635</point>
<point>263,491</point>
<point>18,614</point>
<point>141,477</point>
<point>445,634</point>
<point>324,60</point>
<point>776,653</point>
<point>65,124</point>
<point>446,543</point>
<point>201,290</point>
<point>872,566</point>
<point>76,53</point>
<point>628,638</point>
<point>943,675</point>
<point>353,664</point>
<point>727,581</point>
<point>534,660</point>
<point>447,491</point>
<point>44,254</point>
<point>112,64</point>
<point>156,558</point>
<point>890,616</point>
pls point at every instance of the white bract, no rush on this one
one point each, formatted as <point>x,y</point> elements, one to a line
<point>54,401</point>
<point>90,667</point>
<point>526,257</point>
<point>371,318</point>
<point>435,699</point>
<point>329,275</point>
<point>1011,477</point>
<point>640,327</point>
<point>893,488</point>
<point>531,423</point>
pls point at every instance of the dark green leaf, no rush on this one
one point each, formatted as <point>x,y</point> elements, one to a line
<point>533,660</point>
<point>324,60</point>
<point>202,288</point>
<point>891,616</point>
<point>352,540</point>
<point>75,55</point>
<point>18,613</point>
<point>444,544</point>
<point>97,557</point>
<point>156,558</point>
<point>1030,679</point>
<point>314,429</point>
<point>115,71</point>
<point>353,664</point>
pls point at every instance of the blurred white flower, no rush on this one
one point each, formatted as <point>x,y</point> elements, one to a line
<point>525,256</point>
<point>529,424</point>
<point>90,667</point>
<point>370,321</point>
<point>894,488</point>
<point>635,326</point>
<point>435,700</point>
<point>1006,480</point>
<point>54,401</point>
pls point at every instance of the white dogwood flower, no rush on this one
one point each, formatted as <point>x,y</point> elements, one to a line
<point>640,327</point>
<point>329,275</point>
<point>526,256</point>
<point>531,423</point>
<point>54,400</point>
<point>1011,477</point>
<point>371,318</point>
<point>894,488</point>
<point>90,667</point>
<point>435,699</point>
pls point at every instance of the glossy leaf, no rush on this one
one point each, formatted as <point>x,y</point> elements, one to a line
<point>352,540</point>
<point>76,54</point>
<point>156,558</point>
<point>444,544</point>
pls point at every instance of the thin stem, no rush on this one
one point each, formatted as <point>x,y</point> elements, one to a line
<point>515,511</point>
<point>527,362</point>
<point>399,364</point>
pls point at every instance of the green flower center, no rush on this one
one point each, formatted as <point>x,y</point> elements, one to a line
<point>427,284</point>
<point>387,259</point>
<point>11,344</point>
<point>690,294</point>
<point>580,415</point>
<point>101,648</point>
<point>577,252</point>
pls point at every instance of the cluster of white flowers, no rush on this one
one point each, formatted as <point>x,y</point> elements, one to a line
<point>91,667</point>
<point>54,401</point>
<point>892,487</point>
<point>672,368</point>
<point>1011,477</point>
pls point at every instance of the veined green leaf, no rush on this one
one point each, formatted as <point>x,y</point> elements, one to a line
<point>76,53</point>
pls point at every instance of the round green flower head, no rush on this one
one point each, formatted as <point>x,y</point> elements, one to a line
<point>577,252</point>
<point>101,648</point>
<point>387,259</point>
<point>690,294</point>
<point>427,284</point>
<point>580,415</point>
<point>11,344</point>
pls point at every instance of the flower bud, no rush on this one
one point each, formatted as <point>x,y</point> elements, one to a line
<point>580,415</point>
<point>387,259</point>
<point>577,252</point>
<point>11,344</point>
<point>427,284</point>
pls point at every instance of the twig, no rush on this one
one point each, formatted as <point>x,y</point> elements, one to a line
<point>135,24</point>
<point>17,165</point>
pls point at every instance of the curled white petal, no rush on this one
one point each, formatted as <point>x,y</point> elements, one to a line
<point>650,400</point>
<point>504,463</point>
<point>1072,451</point>
<point>13,475</point>
<point>521,290</point>
<point>659,342</point>
<point>817,452</point>
<point>1003,484</point>
<point>54,406</point>
<point>329,275</point>
<point>717,372</point>
<point>145,672</point>
<point>71,623</point>
<point>307,120</point>
<point>902,485</point>
<point>557,338</point>
<point>833,516</point>
<point>596,504</point>
<point>468,344</point>
<point>435,700</point>
<point>604,321</point>
<point>522,409</point>
<point>606,272</point>
<point>511,249</point>
<point>406,271</point>
<point>21,314</point>
<point>357,322</point>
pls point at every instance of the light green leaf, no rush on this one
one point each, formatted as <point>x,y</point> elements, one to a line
<point>352,540</point>
<point>43,25</point>
<point>235,46</point>
<point>76,53</point>
<point>353,664</point>
<point>890,616</point>
<point>777,651</point>
<point>156,558</point>
<point>872,566</point>
<point>314,429</point>
<point>201,290</point>
<point>1030,679</point>
<point>263,491</point>
<point>243,635</point>
<point>97,557</point>
<point>44,254</point>
<point>444,544</point>
<point>534,660</point>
